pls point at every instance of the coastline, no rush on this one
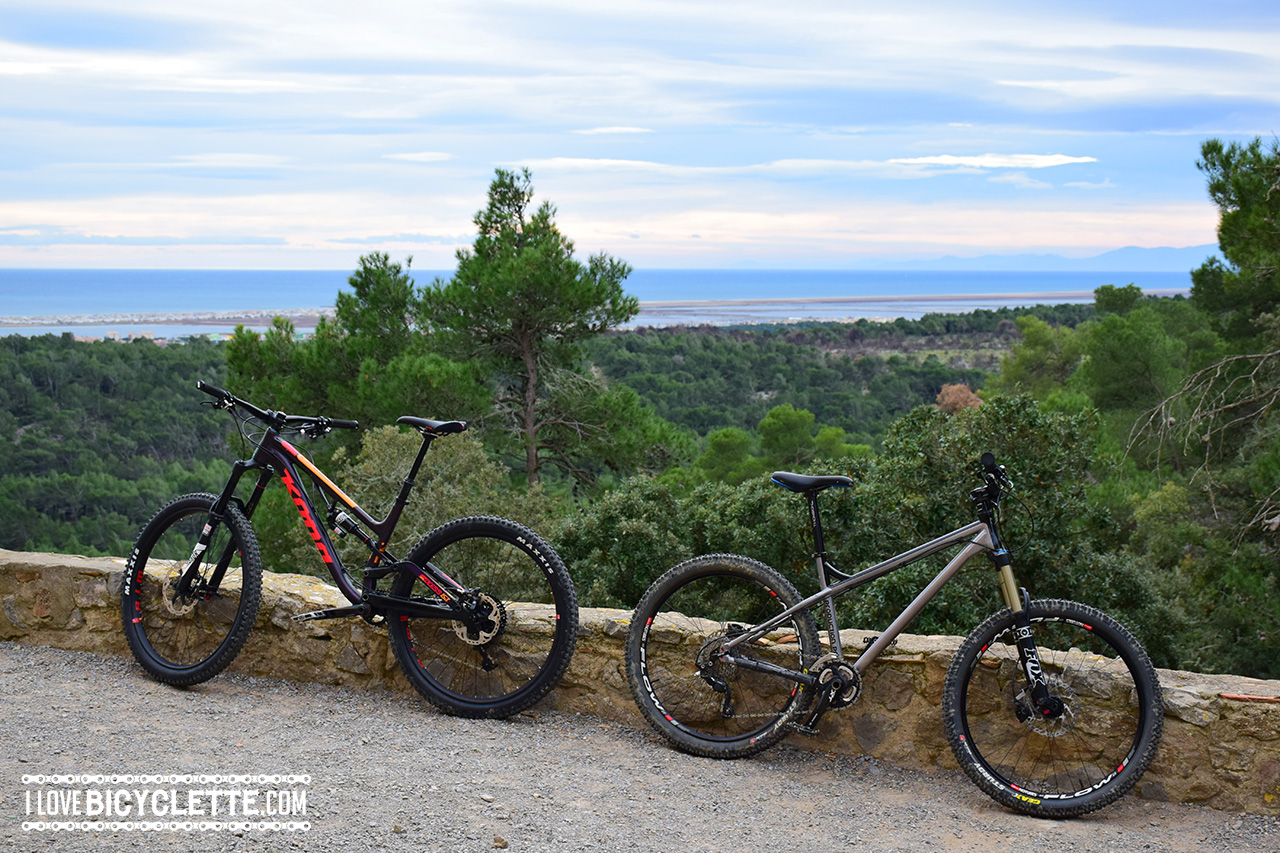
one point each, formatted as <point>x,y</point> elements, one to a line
<point>308,317</point>
<point>300,317</point>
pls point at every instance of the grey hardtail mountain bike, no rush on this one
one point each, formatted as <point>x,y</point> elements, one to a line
<point>193,580</point>
<point>1051,707</point>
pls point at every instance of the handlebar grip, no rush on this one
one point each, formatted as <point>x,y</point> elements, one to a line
<point>212,390</point>
<point>341,424</point>
<point>988,461</point>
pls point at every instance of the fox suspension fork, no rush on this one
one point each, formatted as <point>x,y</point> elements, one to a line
<point>1043,702</point>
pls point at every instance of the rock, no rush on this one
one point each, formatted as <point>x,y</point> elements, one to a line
<point>1222,733</point>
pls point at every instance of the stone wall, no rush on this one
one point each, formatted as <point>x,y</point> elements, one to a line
<point>1221,742</point>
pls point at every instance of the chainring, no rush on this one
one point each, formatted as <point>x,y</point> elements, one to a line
<point>838,677</point>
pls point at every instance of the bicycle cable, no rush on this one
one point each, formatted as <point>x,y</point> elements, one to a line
<point>999,518</point>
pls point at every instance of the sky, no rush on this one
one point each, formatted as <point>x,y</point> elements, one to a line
<point>264,134</point>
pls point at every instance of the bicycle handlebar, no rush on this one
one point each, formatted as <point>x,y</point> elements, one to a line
<point>275,420</point>
<point>995,476</point>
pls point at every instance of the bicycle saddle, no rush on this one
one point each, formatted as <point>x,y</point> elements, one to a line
<point>805,483</point>
<point>427,425</point>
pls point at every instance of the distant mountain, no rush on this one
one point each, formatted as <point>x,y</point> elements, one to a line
<point>1131,258</point>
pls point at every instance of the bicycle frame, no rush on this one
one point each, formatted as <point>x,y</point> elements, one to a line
<point>979,540</point>
<point>275,456</point>
<point>978,537</point>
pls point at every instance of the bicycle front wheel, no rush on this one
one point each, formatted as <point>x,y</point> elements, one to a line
<point>698,700</point>
<point>524,644</point>
<point>1070,763</point>
<point>187,634</point>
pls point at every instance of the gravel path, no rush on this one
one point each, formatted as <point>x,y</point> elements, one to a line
<point>388,773</point>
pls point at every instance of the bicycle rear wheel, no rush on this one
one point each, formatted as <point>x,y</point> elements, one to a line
<point>188,638</point>
<point>523,648</point>
<point>699,702</point>
<point>1079,761</point>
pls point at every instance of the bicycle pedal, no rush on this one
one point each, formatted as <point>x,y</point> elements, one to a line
<point>802,729</point>
<point>331,613</point>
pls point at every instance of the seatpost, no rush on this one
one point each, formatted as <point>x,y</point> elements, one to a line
<point>820,563</point>
<point>393,517</point>
<point>819,548</point>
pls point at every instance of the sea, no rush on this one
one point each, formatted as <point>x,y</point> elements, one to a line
<point>171,304</point>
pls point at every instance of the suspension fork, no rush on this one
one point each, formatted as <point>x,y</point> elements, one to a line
<point>1028,656</point>
<point>1019,602</point>
<point>216,515</point>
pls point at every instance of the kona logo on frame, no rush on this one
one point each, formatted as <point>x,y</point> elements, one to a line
<point>301,503</point>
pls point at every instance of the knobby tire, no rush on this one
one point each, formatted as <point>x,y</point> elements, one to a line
<point>184,641</point>
<point>703,704</point>
<point>1079,761</point>
<point>529,640</point>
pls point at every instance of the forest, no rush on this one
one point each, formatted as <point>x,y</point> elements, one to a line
<point>1141,432</point>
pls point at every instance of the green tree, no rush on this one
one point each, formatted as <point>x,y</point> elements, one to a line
<point>593,428</point>
<point>371,362</point>
<point>1109,299</point>
<point>1244,181</point>
<point>830,444</point>
<point>1132,363</point>
<point>786,435</point>
<point>728,456</point>
<point>1042,361</point>
<point>520,302</point>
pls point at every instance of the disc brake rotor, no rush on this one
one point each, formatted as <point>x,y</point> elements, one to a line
<point>490,621</point>
<point>176,604</point>
<point>1056,726</point>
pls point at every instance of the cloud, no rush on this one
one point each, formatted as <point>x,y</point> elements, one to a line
<point>996,161</point>
<point>781,168</point>
<point>52,236</point>
<point>435,239</point>
<point>630,119</point>
<point>1091,185</point>
<point>421,157</point>
<point>897,167</point>
<point>233,161</point>
<point>1020,180</point>
<point>597,131</point>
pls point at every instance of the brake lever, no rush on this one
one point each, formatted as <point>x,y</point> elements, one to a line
<point>319,429</point>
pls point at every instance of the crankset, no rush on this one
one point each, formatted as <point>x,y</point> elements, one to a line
<point>838,684</point>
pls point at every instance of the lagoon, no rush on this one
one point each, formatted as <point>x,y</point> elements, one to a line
<point>173,303</point>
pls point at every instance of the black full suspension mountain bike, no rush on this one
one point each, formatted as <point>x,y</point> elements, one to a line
<point>1051,707</point>
<point>481,613</point>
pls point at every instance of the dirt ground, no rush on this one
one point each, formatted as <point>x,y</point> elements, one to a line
<point>386,772</point>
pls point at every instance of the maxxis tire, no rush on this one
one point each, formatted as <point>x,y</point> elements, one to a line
<point>1081,761</point>
<point>190,641</point>
<point>663,647</point>
<point>510,563</point>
